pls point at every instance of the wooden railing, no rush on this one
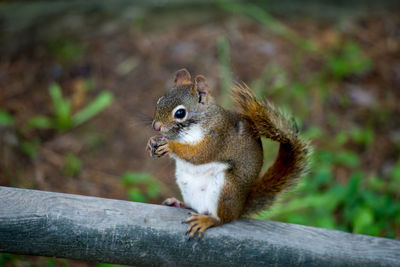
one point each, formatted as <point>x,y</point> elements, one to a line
<point>114,231</point>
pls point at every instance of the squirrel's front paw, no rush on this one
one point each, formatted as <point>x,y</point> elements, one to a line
<point>158,146</point>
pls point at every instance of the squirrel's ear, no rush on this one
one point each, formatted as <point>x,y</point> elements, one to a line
<point>201,86</point>
<point>182,76</point>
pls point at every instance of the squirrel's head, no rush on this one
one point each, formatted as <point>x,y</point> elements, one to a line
<point>183,105</point>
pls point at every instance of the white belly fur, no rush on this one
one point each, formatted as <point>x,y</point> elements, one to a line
<point>200,185</point>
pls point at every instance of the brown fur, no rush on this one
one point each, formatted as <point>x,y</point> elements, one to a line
<point>199,153</point>
<point>232,138</point>
<point>293,155</point>
<point>182,77</point>
<point>231,201</point>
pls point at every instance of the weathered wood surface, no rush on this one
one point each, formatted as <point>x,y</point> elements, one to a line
<point>105,230</point>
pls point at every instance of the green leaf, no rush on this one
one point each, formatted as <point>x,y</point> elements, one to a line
<point>56,96</point>
<point>66,50</point>
<point>376,183</point>
<point>40,122</point>
<point>363,220</point>
<point>131,178</point>
<point>50,263</point>
<point>363,136</point>
<point>297,88</point>
<point>347,158</point>
<point>341,138</point>
<point>97,105</point>
<point>73,165</point>
<point>154,190</point>
<point>323,156</point>
<point>312,201</point>
<point>395,173</point>
<point>30,148</point>
<point>6,119</point>
<point>136,195</point>
<point>62,108</point>
<point>354,183</point>
<point>325,220</point>
<point>349,60</point>
<point>314,132</point>
<point>339,193</point>
<point>323,175</point>
<point>297,218</point>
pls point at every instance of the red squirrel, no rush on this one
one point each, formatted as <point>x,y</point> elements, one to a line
<point>219,154</point>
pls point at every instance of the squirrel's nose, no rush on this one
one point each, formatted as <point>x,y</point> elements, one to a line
<point>157,125</point>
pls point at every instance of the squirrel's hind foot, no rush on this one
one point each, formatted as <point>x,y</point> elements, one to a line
<point>199,223</point>
<point>173,202</point>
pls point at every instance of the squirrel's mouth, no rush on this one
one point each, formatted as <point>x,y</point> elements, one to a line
<point>169,132</point>
<point>161,127</point>
<point>176,130</point>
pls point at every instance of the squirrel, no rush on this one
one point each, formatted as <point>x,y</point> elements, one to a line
<point>219,154</point>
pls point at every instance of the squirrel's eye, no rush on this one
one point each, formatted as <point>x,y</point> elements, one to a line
<point>180,113</point>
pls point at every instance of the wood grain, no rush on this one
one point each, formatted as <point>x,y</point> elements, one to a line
<point>105,230</point>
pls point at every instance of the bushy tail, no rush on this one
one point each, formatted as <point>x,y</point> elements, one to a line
<point>293,156</point>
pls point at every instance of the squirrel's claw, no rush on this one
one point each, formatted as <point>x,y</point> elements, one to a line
<point>199,223</point>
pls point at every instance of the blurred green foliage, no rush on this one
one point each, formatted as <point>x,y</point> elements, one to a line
<point>141,187</point>
<point>6,119</point>
<point>62,118</point>
<point>363,204</point>
<point>30,146</point>
<point>73,164</point>
<point>66,50</point>
<point>347,60</point>
<point>337,193</point>
<point>225,70</point>
<point>5,257</point>
<point>261,15</point>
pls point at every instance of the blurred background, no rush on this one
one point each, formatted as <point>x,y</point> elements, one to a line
<point>79,81</point>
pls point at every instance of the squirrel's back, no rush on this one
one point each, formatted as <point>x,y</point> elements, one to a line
<point>236,144</point>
